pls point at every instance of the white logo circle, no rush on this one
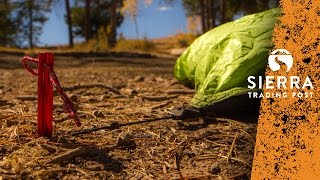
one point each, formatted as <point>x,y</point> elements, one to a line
<point>280,55</point>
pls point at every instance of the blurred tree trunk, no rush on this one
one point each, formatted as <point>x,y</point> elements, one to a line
<point>203,18</point>
<point>211,19</point>
<point>209,6</point>
<point>223,11</point>
<point>207,14</point>
<point>213,14</point>
<point>87,20</point>
<point>112,37</point>
<point>217,12</point>
<point>30,14</point>
<point>68,12</point>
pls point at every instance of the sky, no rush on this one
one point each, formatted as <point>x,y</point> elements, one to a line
<point>154,21</point>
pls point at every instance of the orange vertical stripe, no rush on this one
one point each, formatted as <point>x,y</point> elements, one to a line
<point>288,134</point>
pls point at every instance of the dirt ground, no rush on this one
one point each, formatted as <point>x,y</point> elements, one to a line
<point>205,148</point>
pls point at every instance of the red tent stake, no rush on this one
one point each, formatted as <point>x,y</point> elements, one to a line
<point>46,80</point>
<point>45,95</point>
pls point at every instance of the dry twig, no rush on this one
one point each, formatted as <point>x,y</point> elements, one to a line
<point>68,155</point>
<point>27,97</point>
<point>164,104</point>
<point>231,148</point>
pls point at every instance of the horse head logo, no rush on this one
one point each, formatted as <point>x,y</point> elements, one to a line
<point>278,57</point>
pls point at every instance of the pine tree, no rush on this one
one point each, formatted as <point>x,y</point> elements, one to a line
<point>216,12</point>
<point>89,17</point>
<point>69,22</point>
<point>32,15</point>
<point>8,24</point>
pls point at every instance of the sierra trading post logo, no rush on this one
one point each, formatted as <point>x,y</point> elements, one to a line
<point>278,58</point>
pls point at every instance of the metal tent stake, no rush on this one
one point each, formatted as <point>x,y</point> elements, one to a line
<point>46,80</point>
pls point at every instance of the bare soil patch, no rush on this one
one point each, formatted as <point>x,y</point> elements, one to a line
<point>205,148</point>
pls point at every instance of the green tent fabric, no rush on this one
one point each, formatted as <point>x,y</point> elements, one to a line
<point>218,63</point>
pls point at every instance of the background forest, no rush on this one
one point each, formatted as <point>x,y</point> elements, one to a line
<point>96,21</point>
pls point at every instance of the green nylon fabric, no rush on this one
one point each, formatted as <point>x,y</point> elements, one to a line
<point>218,63</point>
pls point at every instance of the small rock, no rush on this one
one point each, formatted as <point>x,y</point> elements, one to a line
<point>74,98</point>
<point>126,141</point>
<point>214,168</point>
<point>98,114</point>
